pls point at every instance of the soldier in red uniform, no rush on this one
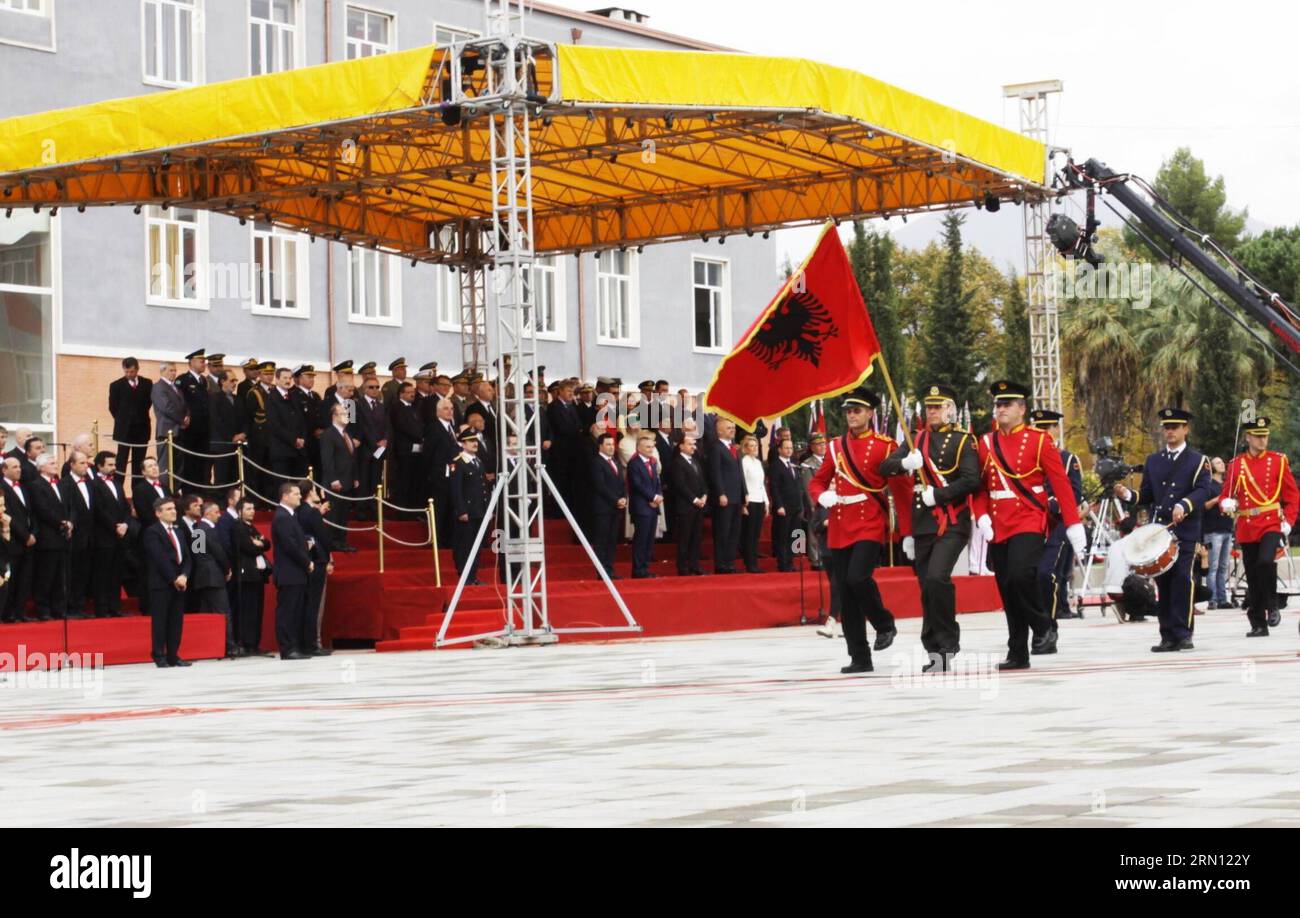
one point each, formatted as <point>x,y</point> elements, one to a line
<point>1017,462</point>
<point>1260,491</point>
<point>850,486</point>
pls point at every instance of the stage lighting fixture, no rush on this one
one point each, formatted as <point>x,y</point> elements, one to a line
<point>449,114</point>
<point>136,210</point>
<point>54,211</point>
<point>992,203</point>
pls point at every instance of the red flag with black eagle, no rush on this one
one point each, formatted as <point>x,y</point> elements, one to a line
<point>814,339</point>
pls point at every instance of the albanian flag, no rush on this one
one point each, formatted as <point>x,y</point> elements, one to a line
<point>815,339</point>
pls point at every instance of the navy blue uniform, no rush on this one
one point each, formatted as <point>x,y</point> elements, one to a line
<point>1166,482</point>
<point>1057,561</point>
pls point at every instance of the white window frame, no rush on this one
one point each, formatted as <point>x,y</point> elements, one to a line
<point>462,33</point>
<point>394,268</point>
<point>196,43</point>
<point>156,216</point>
<point>633,338</point>
<point>279,236</point>
<point>552,266</point>
<point>299,37</point>
<point>724,292</point>
<point>369,11</point>
<point>446,307</point>
<point>22,6</point>
<point>55,292</point>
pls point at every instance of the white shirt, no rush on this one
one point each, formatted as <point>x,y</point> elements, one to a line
<point>755,480</point>
<point>287,507</point>
<point>1175,453</point>
<point>233,514</point>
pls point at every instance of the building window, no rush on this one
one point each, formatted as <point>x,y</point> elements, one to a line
<point>446,287</point>
<point>35,7</point>
<point>369,33</point>
<point>274,35</point>
<point>26,320</point>
<point>175,268</point>
<point>281,280</point>
<point>374,288</point>
<point>447,35</point>
<point>712,305</point>
<point>617,305</point>
<point>544,292</point>
<point>172,42</point>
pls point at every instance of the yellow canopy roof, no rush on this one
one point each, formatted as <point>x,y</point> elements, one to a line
<point>627,146</point>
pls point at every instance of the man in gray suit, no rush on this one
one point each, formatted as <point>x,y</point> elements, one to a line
<point>169,412</point>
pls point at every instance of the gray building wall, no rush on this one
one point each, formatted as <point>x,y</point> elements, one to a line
<point>102,295</point>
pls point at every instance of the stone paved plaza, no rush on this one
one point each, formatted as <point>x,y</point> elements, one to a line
<point>744,728</point>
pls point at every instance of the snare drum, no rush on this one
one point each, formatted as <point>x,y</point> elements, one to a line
<point>1151,550</point>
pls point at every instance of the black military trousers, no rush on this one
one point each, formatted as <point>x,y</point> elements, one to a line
<point>1259,559</point>
<point>462,545</point>
<point>1175,593</point>
<point>936,556</point>
<point>1054,574</point>
<point>1015,567</point>
<point>853,568</point>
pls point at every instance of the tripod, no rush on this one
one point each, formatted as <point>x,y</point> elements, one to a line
<point>1104,520</point>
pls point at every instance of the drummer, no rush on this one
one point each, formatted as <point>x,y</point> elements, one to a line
<point>1176,483</point>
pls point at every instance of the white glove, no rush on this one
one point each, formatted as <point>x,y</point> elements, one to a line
<point>828,499</point>
<point>913,460</point>
<point>927,496</point>
<point>1078,539</point>
<point>1228,505</point>
<point>1286,528</point>
<point>985,526</point>
<point>909,548</point>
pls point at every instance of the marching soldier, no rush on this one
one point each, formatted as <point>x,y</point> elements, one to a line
<point>1058,556</point>
<point>1260,491</point>
<point>1176,483</point>
<point>946,467</point>
<point>851,485</point>
<point>1016,465</point>
<point>469,501</point>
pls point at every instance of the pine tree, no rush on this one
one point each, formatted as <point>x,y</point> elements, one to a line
<point>1015,334</point>
<point>948,352</point>
<point>1216,395</point>
<point>871,254</point>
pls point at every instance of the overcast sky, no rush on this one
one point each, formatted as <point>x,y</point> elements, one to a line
<point>1141,78</point>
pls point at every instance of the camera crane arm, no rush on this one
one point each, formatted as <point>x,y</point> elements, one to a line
<point>1185,243</point>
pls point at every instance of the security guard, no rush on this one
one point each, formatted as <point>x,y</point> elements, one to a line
<point>1017,463</point>
<point>1176,483</point>
<point>851,485</point>
<point>946,467</point>
<point>469,501</point>
<point>1259,489</point>
<point>1058,555</point>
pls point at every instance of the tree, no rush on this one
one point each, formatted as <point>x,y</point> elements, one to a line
<point>1183,183</point>
<point>949,339</point>
<point>1015,363</point>
<point>871,254</point>
<point>1273,257</point>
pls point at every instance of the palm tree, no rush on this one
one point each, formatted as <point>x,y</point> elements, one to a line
<point>1101,353</point>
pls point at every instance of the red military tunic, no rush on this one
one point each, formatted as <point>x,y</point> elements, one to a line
<point>1265,492</point>
<point>1032,460</point>
<point>862,514</point>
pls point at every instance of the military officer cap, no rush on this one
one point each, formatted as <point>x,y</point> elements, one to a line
<point>553,387</point>
<point>1005,388</point>
<point>399,362</point>
<point>268,366</point>
<point>1259,427</point>
<point>431,365</point>
<point>660,382</point>
<point>217,360</point>
<point>469,433</point>
<point>816,438</point>
<point>367,367</point>
<point>616,381</point>
<point>861,397</point>
<point>304,370</point>
<point>252,364</point>
<point>586,387</point>
<point>646,384</point>
<point>604,380</point>
<point>1170,417</point>
<point>1044,417</point>
<point>192,354</point>
<point>344,367</point>
<point>424,374</point>
<point>938,394</point>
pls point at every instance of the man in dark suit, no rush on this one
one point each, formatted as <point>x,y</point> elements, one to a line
<point>77,497</point>
<point>224,427</point>
<point>645,495</point>
<point>308,402</point>
<point>441,447</point>
<point>293,567</point>
<point>225,524</point>
<point>112,531</point>
<point>373,428</point>
<point>727,487</point>
<point>608,502</point>
<point>257,433</point>
<point>310,516</point>
<point>33,448</point>
<point>170,416</point>
<point>665,449</point>
<point>469,500</point>
<point>787,503</point>
<point>565,462</point>
<point>213,572</point>
<point>53,532</point>
<point>285,427</point>
<point>338,458</point>
<point>408,445</point>
<point>168,565</point>
<point>197,437</point>
<point>691,495</point>
<point>129,402</point>
<point>22,541</point>
<point>147,491</point>
<point>254,570</point>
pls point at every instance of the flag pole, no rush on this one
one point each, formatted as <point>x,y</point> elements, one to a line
<point>893,396</point>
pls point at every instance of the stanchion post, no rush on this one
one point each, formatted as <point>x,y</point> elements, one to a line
<point>171,462</point>
<point>433,540</point>
<point>239,463</point>
<point>379,528</point>
<point>94,433</point>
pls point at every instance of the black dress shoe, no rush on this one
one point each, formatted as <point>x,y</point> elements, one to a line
<point>179,662</point>
<point>1165,647</point>
<point>939,663</point>
<point>884,639</point>
<point>161,664</point>
<point>1137,618</point>
<point>858,666</point>
<point>474,582</point>
<point>1185,644</point>
<point>1009,664</point>
<point>322,652</point>
<point>1257,632</point>
<point>1274,618</point>
<point>294,655</point>
<point>1046,645</point>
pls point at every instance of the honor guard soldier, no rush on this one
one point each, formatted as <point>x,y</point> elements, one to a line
<point>1260,491</point>
<point>1058,555</point>
<point>1017,463</point>
<point>469,501</point>
<point>388,394</point>
<point>946,467</point>
<point>852,487</point>
<point>1176,483</point>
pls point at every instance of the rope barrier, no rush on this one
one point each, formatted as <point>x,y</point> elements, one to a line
<point>334,494</point>
<point>195,484</point>
<point>175,445</point>
<point>407,544</point>
<point>264,470</point>
<point>347,528</point>
<point>394,506</point>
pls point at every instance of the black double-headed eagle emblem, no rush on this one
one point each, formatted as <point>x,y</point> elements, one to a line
<point>798,327</point>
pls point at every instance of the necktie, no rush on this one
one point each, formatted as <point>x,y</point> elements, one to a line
<point>171,531</point>
<point>735,454</point>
